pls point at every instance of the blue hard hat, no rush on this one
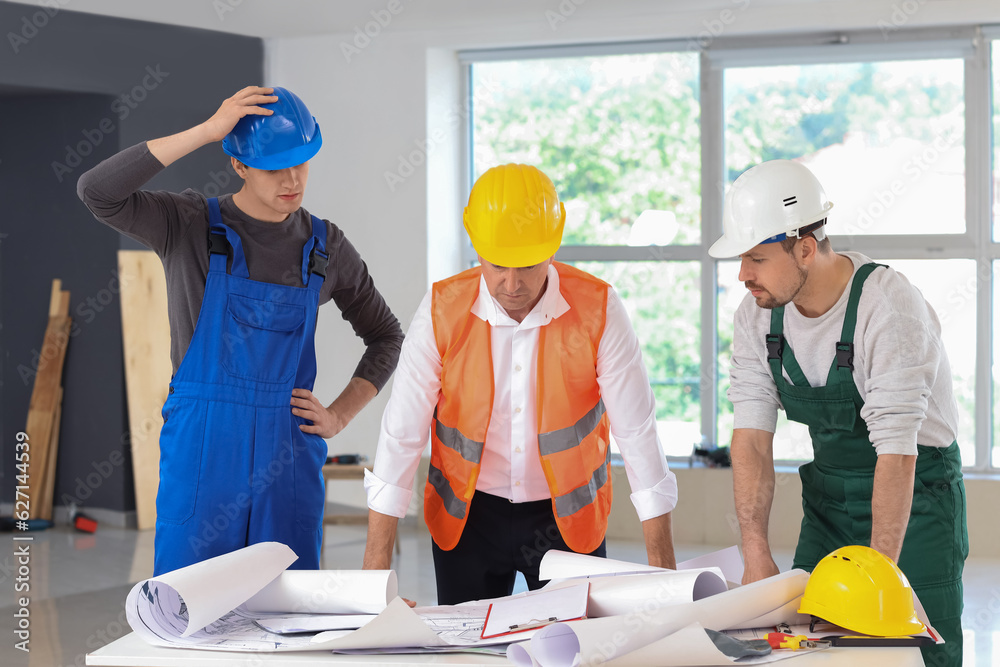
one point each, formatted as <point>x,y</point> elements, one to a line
<point>286,138</point>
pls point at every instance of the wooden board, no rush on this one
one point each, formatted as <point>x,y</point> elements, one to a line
<point>48,488</point>
<point>46,397</point>
<point>146,347</point>
<point>48,491</point>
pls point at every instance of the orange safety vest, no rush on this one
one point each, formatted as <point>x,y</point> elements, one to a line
<point>573,428</point>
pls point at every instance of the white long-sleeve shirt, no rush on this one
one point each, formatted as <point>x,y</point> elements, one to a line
<point>900,366</point>
<point>511,467</point>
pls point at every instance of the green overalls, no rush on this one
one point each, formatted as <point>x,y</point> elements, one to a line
<point>837,484</point>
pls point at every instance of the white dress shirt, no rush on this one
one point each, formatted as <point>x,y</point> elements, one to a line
<point>511,467</point>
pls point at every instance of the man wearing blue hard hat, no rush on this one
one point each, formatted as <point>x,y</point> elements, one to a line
<point>242,444</point>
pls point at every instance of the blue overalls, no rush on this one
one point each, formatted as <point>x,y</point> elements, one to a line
<point>234,467</point>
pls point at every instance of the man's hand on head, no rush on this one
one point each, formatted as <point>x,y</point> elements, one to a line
<point>244,103</point>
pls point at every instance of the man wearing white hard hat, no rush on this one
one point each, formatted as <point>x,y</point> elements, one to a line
<point>851,349</point>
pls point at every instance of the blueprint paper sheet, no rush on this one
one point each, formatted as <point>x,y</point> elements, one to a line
<point>624,638</point>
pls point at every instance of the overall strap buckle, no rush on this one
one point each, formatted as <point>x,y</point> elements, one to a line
<point>218,244</point>
<point>775,345</point>
<point>317,262</point>
<point>845,355</point>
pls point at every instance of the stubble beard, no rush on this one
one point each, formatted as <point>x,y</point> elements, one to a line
<point>769,302</point>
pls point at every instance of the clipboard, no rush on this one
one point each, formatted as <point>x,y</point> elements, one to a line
<point>536,609</point>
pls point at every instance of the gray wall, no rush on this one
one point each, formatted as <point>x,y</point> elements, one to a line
<point>62,78</point>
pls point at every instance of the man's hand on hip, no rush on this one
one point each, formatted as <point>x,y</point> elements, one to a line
<point>325,422</point>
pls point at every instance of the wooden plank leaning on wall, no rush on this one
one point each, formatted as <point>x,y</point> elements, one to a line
<point>146,346</point>
<point>45,408</point>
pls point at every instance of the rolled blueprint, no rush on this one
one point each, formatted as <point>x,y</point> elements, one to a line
<point>182,602</point>
<point>622,594</point>
<point>563,564</point>
<point>326,592</point>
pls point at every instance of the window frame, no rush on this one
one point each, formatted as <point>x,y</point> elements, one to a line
<point>971,43</point>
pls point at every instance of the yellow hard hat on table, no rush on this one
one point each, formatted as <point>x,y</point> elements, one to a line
<point>860,589</point>
<point>514,217</point>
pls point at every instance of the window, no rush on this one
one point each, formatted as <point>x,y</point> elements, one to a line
<point>995,171</point>
<point>643,141</point>
<point>995,458</point>
<point>617,135</point>
<point>996,139</point>
<point>886,139</point>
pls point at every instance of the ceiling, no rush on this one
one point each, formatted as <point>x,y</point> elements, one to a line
<point>294,18</point>
<point>288,18</point>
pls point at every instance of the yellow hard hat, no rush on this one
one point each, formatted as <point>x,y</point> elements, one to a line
<point>514,217</point>
<point>858,588</point>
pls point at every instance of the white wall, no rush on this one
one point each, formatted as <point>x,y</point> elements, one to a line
<point>379,106</point>
<point>371,111</point>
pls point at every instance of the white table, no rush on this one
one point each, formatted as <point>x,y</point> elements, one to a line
<point>131,651</point>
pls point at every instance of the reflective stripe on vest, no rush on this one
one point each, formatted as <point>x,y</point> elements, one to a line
<point>577,499</point>
<point>452,504</point>
<point>571,436</point>
<point>452,438</point>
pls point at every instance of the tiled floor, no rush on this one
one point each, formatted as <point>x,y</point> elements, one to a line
<point>78,583</point>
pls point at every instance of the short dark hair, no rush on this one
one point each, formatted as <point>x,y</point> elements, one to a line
<point>823,246</point>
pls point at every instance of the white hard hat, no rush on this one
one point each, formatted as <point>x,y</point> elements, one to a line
<point>768,203</point>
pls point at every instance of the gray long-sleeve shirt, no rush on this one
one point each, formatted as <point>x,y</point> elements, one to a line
<point>175,226</point>
<point>900,365</point>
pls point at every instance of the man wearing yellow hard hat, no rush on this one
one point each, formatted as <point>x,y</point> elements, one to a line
<point>520,369</point>
<point>851,349</point>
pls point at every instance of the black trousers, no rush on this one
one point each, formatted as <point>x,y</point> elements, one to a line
<point>500,539</point>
